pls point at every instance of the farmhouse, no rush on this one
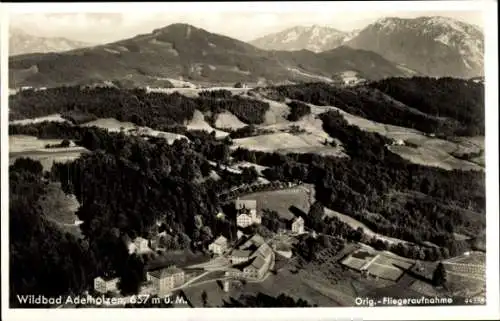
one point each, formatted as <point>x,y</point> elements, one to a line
<point>297,225</point>
<point>105,284</point>
<point>218,246</point>
<point>165,279</point>
<point>247,213</point>
<point>252,258</point>
<point>139,245</point>
<point>254,264</point>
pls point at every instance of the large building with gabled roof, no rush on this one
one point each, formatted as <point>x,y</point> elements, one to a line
<point>165,279</point>
<point>252,259</point>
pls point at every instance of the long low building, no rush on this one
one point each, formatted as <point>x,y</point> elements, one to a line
<point>252,259</point>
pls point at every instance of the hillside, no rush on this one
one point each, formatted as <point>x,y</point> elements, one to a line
<point>434,106</point>
<point>434,46</point>
<point>181,51</point>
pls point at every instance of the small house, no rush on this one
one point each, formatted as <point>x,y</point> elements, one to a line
<point>218,246</point>
<point>298,225</point>
<point>105,284</point>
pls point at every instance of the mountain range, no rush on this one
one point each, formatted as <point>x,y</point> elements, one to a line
<point>182,51</point>
<point>433,46</point>
<point>21,42</point>
<point>314,38</point>
<point>390,47</point>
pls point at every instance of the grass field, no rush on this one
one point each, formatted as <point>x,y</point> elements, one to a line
<point>34,148</point>
<point>281,200</point>
<point>50,118</point>
<point>180,258</point>
<point>110,124</point>
<point>433,157</point>
<point>355,224</point>
<point>241,165</point>
<point>226,120</point>
<point>431,151</point>
<point>113,125</point>
<point>283,142</point>
<point>277,112</point>
<point>23,143</point>
<point>198,123</point>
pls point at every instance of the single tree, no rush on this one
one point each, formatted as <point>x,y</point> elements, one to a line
<point>439,276</point>
<point>204,297</point>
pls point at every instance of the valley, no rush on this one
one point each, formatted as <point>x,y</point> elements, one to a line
<point>301,169</point>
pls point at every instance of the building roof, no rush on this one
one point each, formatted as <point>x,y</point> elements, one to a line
<point>106,278</point>
<point>256,240</point>
<point>298,219</point>
<point>165,272</point>
<point>245,215</point>
<point>241,253</point>
<point>264,250</point>
<point>221,240</point>
<point>257,263</point>
<point>139,239</point>
<point>249,204</point>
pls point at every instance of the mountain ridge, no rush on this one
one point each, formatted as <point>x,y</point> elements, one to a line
<point>432,45</point>
<point>185,52</point>
<point>21,42</point>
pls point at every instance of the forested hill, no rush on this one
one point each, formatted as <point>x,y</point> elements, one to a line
<point>445,106</point>
<point>156,110</point>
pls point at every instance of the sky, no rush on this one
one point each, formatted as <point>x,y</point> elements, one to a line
<point>231,19</point>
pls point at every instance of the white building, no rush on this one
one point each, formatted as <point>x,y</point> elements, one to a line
<point>298,225</point>
<point>166,279</point>
<point>139,245</point>
<point>218,246</point>
<point>247,213</point>
<point>105,284</point>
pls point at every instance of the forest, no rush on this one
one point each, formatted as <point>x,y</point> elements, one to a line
<point>298,110</point>
<point>124,186</point>
<point>462,100</point>
<point>155,110</point>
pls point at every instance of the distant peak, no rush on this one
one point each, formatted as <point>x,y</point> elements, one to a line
<point>176,26</point>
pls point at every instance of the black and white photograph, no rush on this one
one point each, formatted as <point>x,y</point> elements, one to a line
<point>202,156</point>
